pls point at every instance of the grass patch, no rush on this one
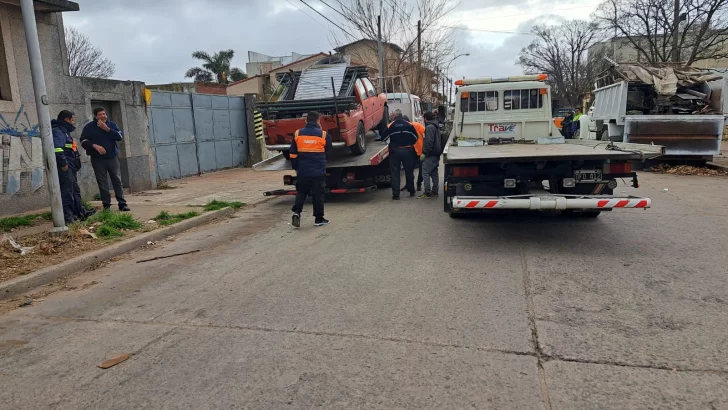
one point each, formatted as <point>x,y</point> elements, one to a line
<point>106,231</point>
<point>164,218</point>
<point>86,204</point>
<point>97,197</point>
<point>116,220</point>
<point>216,205</point>
<point>11,222</point>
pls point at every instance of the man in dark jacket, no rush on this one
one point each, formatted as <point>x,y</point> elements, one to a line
<point>99,139</point>
<point>66,160</point>
<point>402,138</point>
<point>308,157</point>
<point>566,125</point>
<point>430,158</point>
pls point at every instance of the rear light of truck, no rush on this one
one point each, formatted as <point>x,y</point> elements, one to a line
<point>618,168</point>
<point>465,171</point>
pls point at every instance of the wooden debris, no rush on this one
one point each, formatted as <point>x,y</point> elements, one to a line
<point>114,361</point>
<point>687,170</point>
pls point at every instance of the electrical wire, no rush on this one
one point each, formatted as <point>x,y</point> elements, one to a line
<point>309,16</point>
<point>327,19</point>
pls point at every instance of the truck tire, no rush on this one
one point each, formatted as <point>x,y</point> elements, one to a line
<point>360,147</point>
<point>385,120</point>
<point>590,214</point>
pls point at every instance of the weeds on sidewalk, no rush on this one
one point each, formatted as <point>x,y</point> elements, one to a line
<point>164,218</point>
<point>12,222</point>
<point>111,224</point>
<point>216,205</point>
<point>164,185</point>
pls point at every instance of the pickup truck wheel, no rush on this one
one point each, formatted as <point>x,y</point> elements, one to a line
<point>385,120</point>
<point>361,140</point>
<point>286,154</point>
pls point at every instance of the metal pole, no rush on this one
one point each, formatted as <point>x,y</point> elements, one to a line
<point>675,31</point>
<point>379,51</point>
<point>44,118</point>
<point>336,108</point>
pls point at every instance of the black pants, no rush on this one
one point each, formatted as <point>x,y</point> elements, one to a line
<point>105,168</point>
<point>71,201</point>
<point>419,175</point>
<point>402,157</point>
<point>316,186</point>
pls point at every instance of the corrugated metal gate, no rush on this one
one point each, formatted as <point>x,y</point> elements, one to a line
<point>195,133</point>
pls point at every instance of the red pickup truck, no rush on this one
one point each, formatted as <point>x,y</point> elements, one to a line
<point>348,109</point>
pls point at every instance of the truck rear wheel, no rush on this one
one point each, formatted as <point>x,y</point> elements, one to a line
<point>360,147</point>
<point>385,120</point>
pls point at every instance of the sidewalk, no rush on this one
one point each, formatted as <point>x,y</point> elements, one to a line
<point>238,184</point>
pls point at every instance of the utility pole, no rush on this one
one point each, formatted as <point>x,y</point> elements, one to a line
<point>675,31</point>
<point>379,50</point>
<point>44,118</point>
<point>419,56</point>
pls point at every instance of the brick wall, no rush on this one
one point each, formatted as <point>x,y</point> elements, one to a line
<point>211,88</point>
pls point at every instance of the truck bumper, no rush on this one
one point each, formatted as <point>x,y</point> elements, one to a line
<point>545,203</point>
<point>286,147</point>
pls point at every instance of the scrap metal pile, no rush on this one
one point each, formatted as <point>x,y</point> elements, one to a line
<point>311,90</point>
<point>665,88</point>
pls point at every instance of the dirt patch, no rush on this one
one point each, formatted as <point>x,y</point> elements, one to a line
<point>687,170</point>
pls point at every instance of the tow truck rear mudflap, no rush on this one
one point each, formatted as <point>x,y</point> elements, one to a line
<point>548,202</point>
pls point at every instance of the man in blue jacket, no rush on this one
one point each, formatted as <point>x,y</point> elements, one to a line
<point>68,164</point>
<point>430,158</point>
<point>308,157</point>
<point>402,138</point>
<point>99,139</point>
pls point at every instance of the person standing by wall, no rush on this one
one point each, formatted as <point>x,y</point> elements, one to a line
<point>67,163</point>
<point>430,157</point>
<point>99,139</point>
<point>308,158</point>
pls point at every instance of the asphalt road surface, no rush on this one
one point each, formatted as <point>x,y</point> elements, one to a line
<point>395,305</point>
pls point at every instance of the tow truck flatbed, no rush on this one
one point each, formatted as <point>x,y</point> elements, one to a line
<point>345,173</point>
<point>570,150</point>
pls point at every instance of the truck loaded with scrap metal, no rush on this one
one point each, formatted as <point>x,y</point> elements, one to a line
<point>340,92</point>
<point>504,153</point>
<point>678,107</point>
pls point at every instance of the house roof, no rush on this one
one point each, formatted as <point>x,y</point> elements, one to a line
<point>49,6</point>
<point>319,55</point>
<point>392,45</point>
<point>247,79</point>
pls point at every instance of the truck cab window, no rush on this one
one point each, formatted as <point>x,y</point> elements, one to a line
<point>482,101</point>
<point>361,90</point>
<point>522,99</point>
<point>369,87</point>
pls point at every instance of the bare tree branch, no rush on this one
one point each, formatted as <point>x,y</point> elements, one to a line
<point>648,26</point>
<point>85,59</point>
<point>561,53</point>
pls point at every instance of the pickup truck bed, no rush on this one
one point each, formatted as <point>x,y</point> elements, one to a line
<point>571,150</point>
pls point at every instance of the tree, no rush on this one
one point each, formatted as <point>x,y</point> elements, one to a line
<point>648,27</point>
<point>561,52</point>
<point>399,26</point>
<point>216,68</point>
<point>85,59</point>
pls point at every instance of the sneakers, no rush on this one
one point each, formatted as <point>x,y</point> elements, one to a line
<point>320,222</point>
<point>419,188</point>
<point>426,195</point>
<point>296,220</point>
<point>395,197</point>
<point>412,193</point>
<point>124,208</point>
<point>434,194</point>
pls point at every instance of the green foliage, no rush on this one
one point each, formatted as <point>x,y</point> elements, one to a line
<point>106,231</point>
<point>164,218</point>
<point>215,68</point>
<point>112,223</point>
<point>215,205</point>
<point>12,222</point>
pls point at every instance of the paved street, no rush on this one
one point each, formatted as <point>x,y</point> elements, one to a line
<point>395,305</point>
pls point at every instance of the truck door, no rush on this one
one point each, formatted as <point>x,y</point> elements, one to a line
<point>371,111</point>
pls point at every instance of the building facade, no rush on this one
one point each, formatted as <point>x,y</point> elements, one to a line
<point>23,184</point>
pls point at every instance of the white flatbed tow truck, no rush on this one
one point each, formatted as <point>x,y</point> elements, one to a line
<point>503,154</point>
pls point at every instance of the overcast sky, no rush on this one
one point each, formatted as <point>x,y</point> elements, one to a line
<point>151,41</point>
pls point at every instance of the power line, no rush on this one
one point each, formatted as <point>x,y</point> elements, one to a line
<point>328,19</point>
<point>486,31</point>
<point>334,9</point>
<point>309,16</point>
<point>528,14</point>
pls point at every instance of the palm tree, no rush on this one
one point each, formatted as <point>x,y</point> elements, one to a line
<point>216,68</point>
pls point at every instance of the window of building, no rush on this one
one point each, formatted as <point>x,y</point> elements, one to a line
<point>361,90</point>
<point>5,90</point>
<point>522,99</point>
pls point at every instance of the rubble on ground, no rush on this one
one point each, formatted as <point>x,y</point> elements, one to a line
<point>687,170</point>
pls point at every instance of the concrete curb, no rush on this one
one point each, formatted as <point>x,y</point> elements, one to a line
<point>719,167</point>
<point>47,275</point>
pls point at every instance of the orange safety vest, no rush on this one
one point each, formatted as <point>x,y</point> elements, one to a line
<point>309,143</point>
<point>420,136</point>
